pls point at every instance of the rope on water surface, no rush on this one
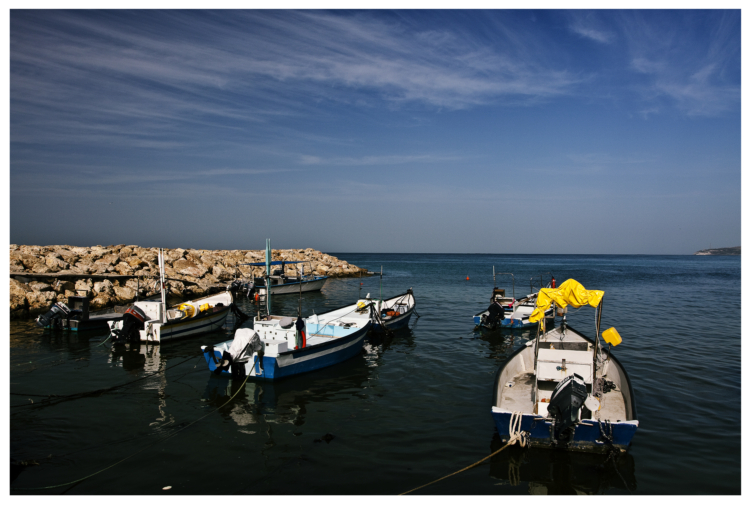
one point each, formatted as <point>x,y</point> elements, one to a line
<point>516,436</point>
<point>138,451</point>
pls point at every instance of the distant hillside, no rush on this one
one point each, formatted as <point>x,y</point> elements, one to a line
<point>723,251</point>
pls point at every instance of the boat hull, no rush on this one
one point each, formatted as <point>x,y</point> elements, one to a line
<point>297,361</point>
<point>588,435</point>
<point>293,287</point>
<point>395,323</point>
<point>182,329</point>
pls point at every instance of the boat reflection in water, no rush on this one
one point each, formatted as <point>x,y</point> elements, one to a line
<point>558,472</point>
<point>257,404</point>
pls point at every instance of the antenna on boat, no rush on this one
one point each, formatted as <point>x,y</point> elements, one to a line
<point>494,281</point>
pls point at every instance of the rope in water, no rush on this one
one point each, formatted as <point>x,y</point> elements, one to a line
<point>515,436</point>
<point>139,451</point>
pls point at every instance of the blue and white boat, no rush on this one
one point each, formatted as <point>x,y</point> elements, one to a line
<point>563,389</point>
<point>279,346</point>
<point>515,312</point>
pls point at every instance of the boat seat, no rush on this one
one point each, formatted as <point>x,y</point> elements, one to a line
<point>549,360</point>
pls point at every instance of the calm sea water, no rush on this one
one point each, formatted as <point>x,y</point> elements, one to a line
<point>410,409</point>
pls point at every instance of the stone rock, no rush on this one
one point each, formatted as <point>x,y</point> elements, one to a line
<point>16,265</point>
<point>124,294</point>
<point>40,268</point>
<point>40,286</point>
<point>64,286</point>
<point>222,274</point>
<point>186,267</point>
<point>135,262</point>
<point>101,301</point>
<point>40,301</point>
<point>123,268</point>
<point>103,287</point>
<point>56,264</point>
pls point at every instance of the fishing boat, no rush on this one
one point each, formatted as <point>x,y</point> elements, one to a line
<point>155,321</point>
<point>564,389</point>
<point>391,314</point>
<point>281,284</point>
<point>75,316</point>
<point>279,346</point>
<point>508,312</point>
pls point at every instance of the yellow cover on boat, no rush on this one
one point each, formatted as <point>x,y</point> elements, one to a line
<point>570,292</point>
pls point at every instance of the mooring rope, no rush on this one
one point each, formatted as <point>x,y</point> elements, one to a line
<point>516,436</point>
<point>138,451</point>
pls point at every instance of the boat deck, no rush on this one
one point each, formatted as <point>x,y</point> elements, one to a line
<point>516,392</point>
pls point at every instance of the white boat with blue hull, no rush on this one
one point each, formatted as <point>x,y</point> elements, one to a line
<point>565,390</point>
<point>279,347</point>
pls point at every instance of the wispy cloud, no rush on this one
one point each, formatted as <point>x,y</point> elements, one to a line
<point>693,61</point>
<point>589,25</point>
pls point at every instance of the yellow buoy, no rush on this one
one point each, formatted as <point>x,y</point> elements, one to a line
<point>611,336</point>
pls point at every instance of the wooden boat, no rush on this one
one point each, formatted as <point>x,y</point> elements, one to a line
<point>564,389</point>
<point>155,321</point>
<point>515,312</point>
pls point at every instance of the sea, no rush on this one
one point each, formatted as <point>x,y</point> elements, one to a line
<point>410,409</point>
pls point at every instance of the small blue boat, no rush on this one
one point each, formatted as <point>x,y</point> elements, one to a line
<point>563,389</point>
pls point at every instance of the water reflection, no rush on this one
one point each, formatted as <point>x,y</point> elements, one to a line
<point>502,342</point>
<point>545,471</point>
<point>258,405</point>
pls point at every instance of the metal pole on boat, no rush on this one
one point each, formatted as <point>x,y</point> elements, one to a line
<point>268,276</point>
<point>596,343</point>
<point>163,287</point>
<point>494,281</point>
<point>380,303</point>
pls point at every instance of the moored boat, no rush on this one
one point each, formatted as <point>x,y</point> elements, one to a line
<point>564,389</point>
<point>282,284</point>
<point>508,312</point>
<point>154,321</point>
<point>391,314</point>
<point>279,346</point>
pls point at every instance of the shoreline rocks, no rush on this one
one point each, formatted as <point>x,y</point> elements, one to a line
<point>42,275</point>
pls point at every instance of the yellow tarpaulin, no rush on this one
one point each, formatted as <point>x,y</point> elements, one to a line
<point>570,292</point>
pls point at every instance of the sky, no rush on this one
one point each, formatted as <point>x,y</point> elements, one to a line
<point>416,131</point>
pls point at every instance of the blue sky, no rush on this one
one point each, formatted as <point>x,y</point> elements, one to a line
<point>505,131</point>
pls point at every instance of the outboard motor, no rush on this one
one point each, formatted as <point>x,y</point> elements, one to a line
<point>565,405</point>
<point>495,316</point>
<point>54,317</point>
<point>132,323</point>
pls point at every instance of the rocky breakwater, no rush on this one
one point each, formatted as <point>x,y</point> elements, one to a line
<point>111,275</point>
